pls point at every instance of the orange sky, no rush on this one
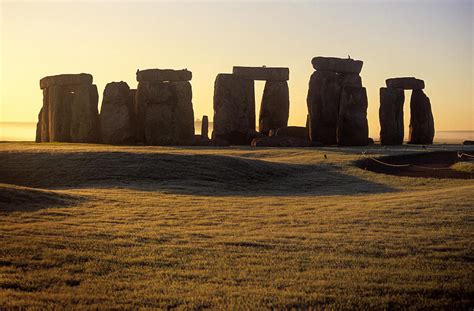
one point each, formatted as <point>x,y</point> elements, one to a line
<point>432,40</point>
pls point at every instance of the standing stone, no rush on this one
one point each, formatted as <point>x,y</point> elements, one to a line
<point>234,109</point>
<point>323,106</point>
<point>165,112</point>
<point>275,108</point>
<point>38,126</point>
<point>352,126</point>
<point>60,99</point>
<point>183,118</point>
<point>69,112</point>
<point>117,114</point>
<point>205,127</point>
<point>391,116</point>
<point>421,119</point>
<point>84,127</point>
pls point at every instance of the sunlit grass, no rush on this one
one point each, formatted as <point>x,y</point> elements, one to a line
<point>312,232</point>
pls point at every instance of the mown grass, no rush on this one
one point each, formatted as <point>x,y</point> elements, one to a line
<point>227,228</point>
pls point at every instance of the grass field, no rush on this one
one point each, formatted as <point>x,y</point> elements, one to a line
<point>94,226</point>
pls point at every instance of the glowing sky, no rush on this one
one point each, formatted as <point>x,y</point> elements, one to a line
<point>432,40</point>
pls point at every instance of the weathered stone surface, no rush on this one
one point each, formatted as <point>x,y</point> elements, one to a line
<point>323,106</point>
<point>234,109</point>
<point>352,127</point>
<point>165,112</point>
<point>66,79</point>
<point>292,131</point>
<point>42,127</point>
<point>468,142</point>
<point>60,100</point>
<point>160,75</point>
<point>85,126</point>
<point>262,73</point>
<point>339,65</point>
<point>205,127</point>
<point>350,79</point>
<point>117,114</point>
<point>421,119</point>
<point>391,116</point>
<point>406,83</point>
<point>280,141</point>
<point>38,127</point>
<point>275,107</point>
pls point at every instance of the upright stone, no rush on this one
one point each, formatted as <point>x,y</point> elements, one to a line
<point>275,108</point>
<point>183,118</point>
<point>352,126</point>
<point>421,119</point>
<point>117,114</point>
<point>45,117</point>
<point>323,106</point>
<point>234,109</point>
<point>84,127</point>
<point>59,101</point>
<point>205,127</point>
<point>38,127</point>
<point>391,116</point>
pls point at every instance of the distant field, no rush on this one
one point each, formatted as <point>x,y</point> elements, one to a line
<point>94,226</point>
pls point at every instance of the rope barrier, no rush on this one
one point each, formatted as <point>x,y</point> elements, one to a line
<point>460,155</point>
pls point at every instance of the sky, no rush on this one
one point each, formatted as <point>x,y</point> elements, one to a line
<point>431,40</point>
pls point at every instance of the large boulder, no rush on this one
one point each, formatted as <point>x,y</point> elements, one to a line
<point>421,119</point>
<point>165,112</point>
<point>323,106</point>
<point>292,131</point>
<point>161,75</point>
<point>339,65</point>
<point>391,116</point>
<point>352,126</point>
<point>406,83</point>
<point>234,109</point>
<point>280,141</point>
<point>262,73</point>
<point>275,108</point>
<point>66,79</point>
<point>117,116</point>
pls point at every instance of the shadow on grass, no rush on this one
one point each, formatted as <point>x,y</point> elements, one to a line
<point>209,175</point>
<point>22,199</point>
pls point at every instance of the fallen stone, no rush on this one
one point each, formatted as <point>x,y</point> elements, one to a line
<point>406,83</point>
<point>262,73</point>
<point>234,109</point>
<point>281,141</point>
<point>391,116</point>
<point>117,114</point>
<point>323,106</point>
<point>205,127</point>
<point>160,75</point>
<point>339,65</point>
<point>66,79</point>
<point>421,119</point>
<point>468,142</point>
<point>275,107</point>
<point>352,127</point>
<point>292,131</point>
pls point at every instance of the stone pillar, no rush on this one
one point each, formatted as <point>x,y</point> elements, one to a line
<point>391,116</point>
<point>275,107</point>
<point>164,107</point>
<point>421,119</point>
<point>117,114</point>
<point>352,126</point>
<point>69,112</point>
<point>234,109</point>
<point>205,127</point>
<point>323,105</point>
